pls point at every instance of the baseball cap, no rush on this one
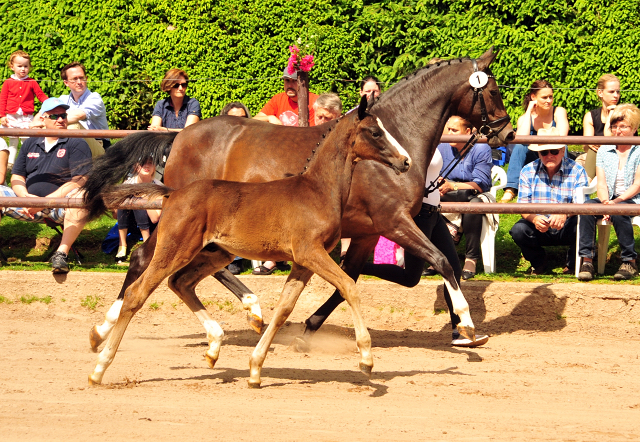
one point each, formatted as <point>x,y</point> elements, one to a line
<point>52,103</point>
<point>287,75</point>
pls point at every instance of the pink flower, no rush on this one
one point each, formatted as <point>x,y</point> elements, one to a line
<point>307,63</point>
<point>294,49</point>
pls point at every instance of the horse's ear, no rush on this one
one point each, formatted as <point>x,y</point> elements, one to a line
<point>485,59</point>
<point>362,108</point>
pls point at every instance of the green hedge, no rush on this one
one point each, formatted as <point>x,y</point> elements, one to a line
<point>238,48</point>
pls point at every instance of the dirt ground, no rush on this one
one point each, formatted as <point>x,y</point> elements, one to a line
<point>561,364</point>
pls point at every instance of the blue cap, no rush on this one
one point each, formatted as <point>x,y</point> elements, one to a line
<point>52,103</point>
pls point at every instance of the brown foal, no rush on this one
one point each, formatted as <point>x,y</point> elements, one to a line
<point>205,224</point>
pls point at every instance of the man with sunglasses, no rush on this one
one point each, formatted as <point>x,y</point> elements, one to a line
<point>54,168</point>
<point>551,179</point>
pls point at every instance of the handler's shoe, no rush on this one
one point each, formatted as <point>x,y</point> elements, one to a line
<point>460,341</point>
<point>586,271</point>
<point>59,262</point>
<point>628,270</point>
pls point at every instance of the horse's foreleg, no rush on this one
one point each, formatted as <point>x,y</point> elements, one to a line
<point>140,260</point>
<point>249,301</point>
<point>184,283</point>
<point>296,282</point>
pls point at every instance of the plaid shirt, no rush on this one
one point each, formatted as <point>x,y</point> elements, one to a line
<point>536,187</point>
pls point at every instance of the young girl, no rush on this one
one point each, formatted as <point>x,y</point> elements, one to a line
<point>143,173</point>
<point>16,103</point>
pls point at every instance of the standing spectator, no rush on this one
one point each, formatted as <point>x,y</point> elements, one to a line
<point>618,173</point>
<point>608,90</point>
<point>540,113</point>
<point>551,179</point>
<point>54,168</point>
<point>327,107</point>
<point>283,107</point>
<point>370,85</point>
<point>16,105</point>
<point>178,110</point>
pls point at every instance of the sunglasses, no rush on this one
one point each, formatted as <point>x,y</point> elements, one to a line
<point>177,85</point>
<point>544,153</point>
<point>54,117</point>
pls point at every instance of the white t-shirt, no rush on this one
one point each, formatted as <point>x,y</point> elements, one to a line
<point>433,172</point>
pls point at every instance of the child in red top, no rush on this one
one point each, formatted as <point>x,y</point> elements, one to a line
<point>16,104</point>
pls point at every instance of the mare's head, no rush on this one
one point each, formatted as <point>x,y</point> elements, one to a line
<point>480,102</point>
<point>371,141</point>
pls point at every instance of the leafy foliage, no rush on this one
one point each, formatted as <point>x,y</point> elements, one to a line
<point>237,49</point>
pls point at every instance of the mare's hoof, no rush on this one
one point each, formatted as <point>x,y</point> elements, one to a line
<point>95,339</point>
<point>92,381</point>
<point>210,361</point>
<point>366,369</point>
<point>301,346</point>
<point>467,332</point>
<point>255,322</point>
<point>253,384</point>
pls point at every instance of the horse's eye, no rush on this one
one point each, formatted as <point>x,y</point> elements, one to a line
<point>376,134</point>
<point>493,92</point>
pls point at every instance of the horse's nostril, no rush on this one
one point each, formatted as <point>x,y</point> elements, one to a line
<point>510,137</point>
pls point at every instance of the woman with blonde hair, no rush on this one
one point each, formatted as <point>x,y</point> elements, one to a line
<point>178,110</point>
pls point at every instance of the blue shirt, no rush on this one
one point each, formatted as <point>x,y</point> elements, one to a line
<point>92,105</point>
<point>608,160</point>
<point>164,109</point>
<point>474,167</point>
<point>536,187</point>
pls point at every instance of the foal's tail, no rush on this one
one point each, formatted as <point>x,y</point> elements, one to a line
<point>116,195</point>
<point>119,160</point>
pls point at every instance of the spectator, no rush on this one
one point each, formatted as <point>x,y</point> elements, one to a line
<point>551,179</point>
<point>283,107</point>
<point>326,108</point>
<point>53,168</point>
<point>145,219</point>
<point>472,176</point>
<point>539,114</point>
<point>16,105</point>
<point>370,85</point>
<point>179,110</point>
<point>608,90</point>
<point>618,173</point>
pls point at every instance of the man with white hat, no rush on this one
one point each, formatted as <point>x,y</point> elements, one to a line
<point>283,107</point>
<point>51,167</point>
<point>551,179</point>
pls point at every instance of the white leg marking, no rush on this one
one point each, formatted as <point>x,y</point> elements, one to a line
<point>460,305</point>
<point>214,334</point>
<point>110,319</point>
<point>394,142</point>
<point>250,302</point>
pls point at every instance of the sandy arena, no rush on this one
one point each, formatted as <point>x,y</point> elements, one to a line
<point>562,364</point>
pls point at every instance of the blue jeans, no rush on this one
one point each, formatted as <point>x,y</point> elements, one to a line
<point>621,224</point>
<point>531,240</point>
<point>520,156</point>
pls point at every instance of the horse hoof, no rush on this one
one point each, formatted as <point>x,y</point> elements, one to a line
<point>255,322</point>
<point>95,339</point>
<point>366,369</point>
<point>467,332</point>
<point>210,361</point>
<point>301,346</point>
<point>93,381</point>
<point>253,384</point>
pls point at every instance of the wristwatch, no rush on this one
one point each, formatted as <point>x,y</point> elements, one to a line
<point>455,186</point>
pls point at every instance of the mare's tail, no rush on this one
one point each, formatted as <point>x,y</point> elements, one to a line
<point>119,160</point>
<point>116,195</point>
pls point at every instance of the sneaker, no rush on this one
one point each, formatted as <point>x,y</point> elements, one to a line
<point>59,262</point>
<point>586,271</point>
<point>537,271</point>
<point>235,267</point>
<point>627,270</point>
<point>457,340</point>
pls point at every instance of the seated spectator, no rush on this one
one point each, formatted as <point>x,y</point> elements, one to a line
<point>178,110</point>
<point>471,177</point>
<point>539,114</point>
<point>145,219</point>
<point>283,107</point>
<point>551,179</point>
<point>327,107</point>
<point>4,159</point>
<point>54,168</point>
<point>618,172</point>
<point>370,85</point>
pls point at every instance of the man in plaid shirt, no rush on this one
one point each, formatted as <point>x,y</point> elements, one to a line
<point>551,178</point>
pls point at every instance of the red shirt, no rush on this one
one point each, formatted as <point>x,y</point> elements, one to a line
<point>18,94</point>
<point>286,109</point>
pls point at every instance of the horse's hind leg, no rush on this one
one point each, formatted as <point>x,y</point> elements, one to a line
<point>140,260</point>
<point>296,282</point>
<point>184,283</point>
<point>249,301</point>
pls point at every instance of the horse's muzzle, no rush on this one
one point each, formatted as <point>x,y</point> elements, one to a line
<point>403,166</point>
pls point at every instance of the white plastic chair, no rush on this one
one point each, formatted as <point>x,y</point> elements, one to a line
<point>488,233</point>
<point>604,228</point>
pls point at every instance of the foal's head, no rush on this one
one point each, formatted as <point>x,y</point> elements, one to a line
<point>373,142</point>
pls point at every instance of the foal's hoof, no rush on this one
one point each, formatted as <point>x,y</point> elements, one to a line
<point>254,384</point>
<point>95,339</point>
<point>366,369</point>
<point>255,322</point>
<point>301,346</point>
<point>92,381</point>
<point>210,361</point>
<point>467,332</point>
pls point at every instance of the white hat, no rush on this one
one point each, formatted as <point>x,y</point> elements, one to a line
<point>550,131</point>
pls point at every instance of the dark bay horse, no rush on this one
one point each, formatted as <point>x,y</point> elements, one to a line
<point>414,111</point>
<point>205,224</point>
